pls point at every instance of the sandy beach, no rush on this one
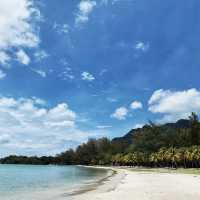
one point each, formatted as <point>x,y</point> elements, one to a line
<point>138,185</point>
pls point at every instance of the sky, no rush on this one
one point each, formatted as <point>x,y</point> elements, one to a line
<point>77,69</point>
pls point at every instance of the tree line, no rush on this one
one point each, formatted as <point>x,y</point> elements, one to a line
<point>187,157</point>
<point>167,145</point>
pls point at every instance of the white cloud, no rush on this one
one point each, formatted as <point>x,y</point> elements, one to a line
<point>61,28</point>
<point>67,74</point>
<point>17,26</point>
<point>38,101</point>
<point>27,125</point>
<point>85,7</point>
<point>4,58</point>
<point>175,104</point>
<point>22,57</point>
<point>2,75</point>
<point>42,73</point>
<point>120,113</point>
<point>142,46</point>
<point>40,55</point>
<point>136,105</point>
<point>87,76</point>
<point>138,126</point>
<point>65,28</point>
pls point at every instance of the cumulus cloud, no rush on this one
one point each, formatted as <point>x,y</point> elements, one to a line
<point>17,26</point>
<point>85,7</point>
<point>22,57</point>
<point>136,105</point>
<point>120,113</point>
<point>29,125</point>
<point>86,76</point>
<point>4,58</point>
<point>2,75</point>
<point>175,104</point>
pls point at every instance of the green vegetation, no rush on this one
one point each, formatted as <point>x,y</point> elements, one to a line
<point>165,157</point>
<point>172,145</point>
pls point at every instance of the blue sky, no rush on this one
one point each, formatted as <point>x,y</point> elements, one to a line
<point>76,69</point>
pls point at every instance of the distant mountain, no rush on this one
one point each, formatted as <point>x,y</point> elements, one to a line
<point>128,138</point>
<point>182,123</point>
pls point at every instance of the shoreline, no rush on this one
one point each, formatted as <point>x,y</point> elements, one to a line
<point>128,183</point>
<point>94,184</point>
<point>144,184</point>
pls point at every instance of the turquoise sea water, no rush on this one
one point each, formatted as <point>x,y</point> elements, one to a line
<point>20,182</point>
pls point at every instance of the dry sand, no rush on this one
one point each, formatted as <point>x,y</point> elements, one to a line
<point>133,185</point>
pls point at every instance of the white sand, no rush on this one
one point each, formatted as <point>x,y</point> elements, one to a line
<point>130,185</point>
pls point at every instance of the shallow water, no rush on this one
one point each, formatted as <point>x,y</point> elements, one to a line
<point>20,182</point>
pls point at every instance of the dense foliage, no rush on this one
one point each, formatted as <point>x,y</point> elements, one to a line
<point>187,157</point>
<point>169,145</point>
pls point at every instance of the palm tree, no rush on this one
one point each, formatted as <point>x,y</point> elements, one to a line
<point>171,157</point>
<point>154,159</point>
<point>161,156</point>
<point>195,129</point>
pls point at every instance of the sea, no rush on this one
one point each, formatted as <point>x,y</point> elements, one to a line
<point>50,182</point>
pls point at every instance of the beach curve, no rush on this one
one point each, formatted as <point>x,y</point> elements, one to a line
<point>143,185</point>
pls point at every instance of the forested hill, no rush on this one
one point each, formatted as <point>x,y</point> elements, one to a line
<point>128,138</point>
<point>172,144</point>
